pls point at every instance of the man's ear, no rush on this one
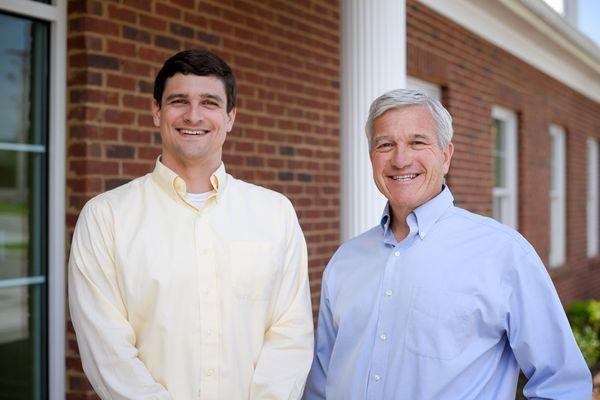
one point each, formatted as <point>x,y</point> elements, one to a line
<point>230,119</point>
<point>448,152</point>
<point>155,113</point>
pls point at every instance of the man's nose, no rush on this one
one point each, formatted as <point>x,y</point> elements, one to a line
<point>193,114</point>
<point>401,157</point>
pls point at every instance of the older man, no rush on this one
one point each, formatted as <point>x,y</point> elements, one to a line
<point>436,302</point>
<point>188,283</point>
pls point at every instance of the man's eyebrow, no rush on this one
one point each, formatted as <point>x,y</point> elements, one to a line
<point>210,96</point>
<point>380,138</point>
<point>420,136</point>
<point>174,96</point>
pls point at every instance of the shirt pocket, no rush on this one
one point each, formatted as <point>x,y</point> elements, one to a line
<point>253,269</point>
<point>440,323</point>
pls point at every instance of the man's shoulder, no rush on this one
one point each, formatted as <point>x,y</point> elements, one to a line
<point>118,195</point>
<point>248,192</point>
<point>362,244</point>
<point>488,227</point>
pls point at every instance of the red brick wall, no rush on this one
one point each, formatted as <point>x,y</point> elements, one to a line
<point>475,76</point>
<point>286,59</point>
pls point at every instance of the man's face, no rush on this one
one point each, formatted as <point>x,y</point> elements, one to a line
<point>408,164</point>
<point>193,120</point>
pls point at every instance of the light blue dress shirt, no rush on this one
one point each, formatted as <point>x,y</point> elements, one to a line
<point>450,312</point>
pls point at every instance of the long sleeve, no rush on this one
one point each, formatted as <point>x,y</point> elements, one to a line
<point>287,350</point>
<point>317,379</point>
<point>541,338</point>
<point>105,337</point>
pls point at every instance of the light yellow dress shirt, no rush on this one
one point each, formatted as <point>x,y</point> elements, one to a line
<point>173,302</point>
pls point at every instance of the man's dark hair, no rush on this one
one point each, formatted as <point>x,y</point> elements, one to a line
<point>196,62</point>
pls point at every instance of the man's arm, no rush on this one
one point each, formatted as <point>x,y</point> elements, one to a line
<point>326,333</point>
<point>286,355</point>
<point>105,337</point>
<point>540,335</point>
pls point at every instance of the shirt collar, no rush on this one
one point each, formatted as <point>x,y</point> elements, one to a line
<point>175,186</point>
<point>426,215</point>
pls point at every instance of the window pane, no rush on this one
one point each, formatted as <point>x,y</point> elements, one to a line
<point>499,140</point>
<point>23,203</point>
<point>21,342</point>
<point>553,163</point>
<point>22,219</point>
<point>497,208</point>
<point>592,198</point>
<point>23,81</point>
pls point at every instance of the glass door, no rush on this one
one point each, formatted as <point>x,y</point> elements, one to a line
<point>23,207</point>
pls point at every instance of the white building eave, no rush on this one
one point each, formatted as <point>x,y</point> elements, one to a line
<point>533,32</point>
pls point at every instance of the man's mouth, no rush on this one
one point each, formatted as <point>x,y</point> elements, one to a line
<point>406,177</point>
<point>193,132</point>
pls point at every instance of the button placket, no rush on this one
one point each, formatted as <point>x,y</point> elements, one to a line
<point>209,308</point>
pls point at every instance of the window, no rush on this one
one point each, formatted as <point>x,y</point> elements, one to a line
<point>557,196</point>
<point>32,187</point>
<point>430,89</point>
<point>504,193</point>
<point>592,199</point>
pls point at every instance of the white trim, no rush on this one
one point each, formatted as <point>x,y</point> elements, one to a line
<point>57,210</point>
<point>533,32</point>
<point>430,89</point>
<point>28,148</point>
<point>33,9</point>
<point>510,191</point>
<point>593,205</point>
<point>31,280</point>
<point>56,14</point>
<point>558,197</point>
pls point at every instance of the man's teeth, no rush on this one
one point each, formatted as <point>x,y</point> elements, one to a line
<point>404,177</point>
<point>191,132</point>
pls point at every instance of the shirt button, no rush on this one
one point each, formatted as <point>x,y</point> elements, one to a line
<point>210,372</point>
<point>389,292</point>
<point>376,378</point>
<point>397,254</point>
<point>383,336</point>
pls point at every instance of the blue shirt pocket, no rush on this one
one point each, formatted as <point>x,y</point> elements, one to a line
<point>440,323</point>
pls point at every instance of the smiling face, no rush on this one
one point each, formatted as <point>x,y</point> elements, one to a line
<point>408,163</point>
<point>193,121</point>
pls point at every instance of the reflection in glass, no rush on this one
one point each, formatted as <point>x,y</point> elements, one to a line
<point>23,81</point>
<point>499,140</point>
<point>554,176</point>
<point>21,330</point>
<point>23,203</point>
<point>22,227</point>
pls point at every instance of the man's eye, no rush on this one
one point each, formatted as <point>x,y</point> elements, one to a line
<point>210,103</point>
<point>384,145</point>
<point>178,101</point>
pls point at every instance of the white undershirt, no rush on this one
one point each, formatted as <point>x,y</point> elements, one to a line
<point>197,199</point>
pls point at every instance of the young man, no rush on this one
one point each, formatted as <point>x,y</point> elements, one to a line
<point>187,283</point>
<point>436,302</point>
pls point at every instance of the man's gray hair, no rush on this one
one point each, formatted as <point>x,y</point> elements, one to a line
<point>401,98</point>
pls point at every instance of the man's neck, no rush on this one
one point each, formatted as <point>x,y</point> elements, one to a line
<point>399,227</point>
<point>196,175</point>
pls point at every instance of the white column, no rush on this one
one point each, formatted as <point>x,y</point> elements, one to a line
<point>372,62</point>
